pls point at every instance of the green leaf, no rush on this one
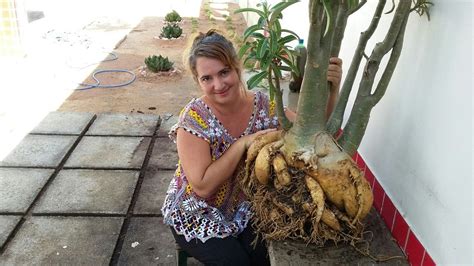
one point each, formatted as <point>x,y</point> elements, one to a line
<point>250,30</point>
<point>285,68</point>
<point>265,7</point>
<point>249,9</point>
<point>263,48</point>
<point>251,56</point>
<point>276,70</point>
<point>278,8</point>
<point>264,62</point>
<point>257,35</point>
<point>274,48</point>
<point>287,39</point>
<point>291,32</point>
<point>329,15</point>
<point>256,79</point>
<point>277,28</point>
<point>290,64</point>
<point>261,22</point>
<point>244,49</point>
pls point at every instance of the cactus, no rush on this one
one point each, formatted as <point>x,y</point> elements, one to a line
<point>158,63</point>
<point>173,17</point>
<point>170,31</point>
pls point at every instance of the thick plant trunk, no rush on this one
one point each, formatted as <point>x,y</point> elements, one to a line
<point>314,89</point>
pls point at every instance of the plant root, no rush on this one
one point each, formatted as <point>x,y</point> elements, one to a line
<point>315,195</point>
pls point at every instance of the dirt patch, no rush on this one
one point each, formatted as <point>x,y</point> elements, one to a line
<point>155,94</point>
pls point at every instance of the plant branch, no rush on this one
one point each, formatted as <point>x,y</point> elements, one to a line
<point>284,122</point>
<point>361,4</point>
<point>339,29</point>
<point>357,122</point>
<point>336,118</point>
<point>390,68</point>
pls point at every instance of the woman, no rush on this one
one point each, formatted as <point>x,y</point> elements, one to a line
<point>208,214</point>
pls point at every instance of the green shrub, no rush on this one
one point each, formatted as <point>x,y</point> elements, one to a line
<point>171,31</point>
<point>173,17</point>
<point>158,63</point>
<point>194,25</point>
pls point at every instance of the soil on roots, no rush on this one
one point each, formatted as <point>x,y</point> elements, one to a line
<point>326,199</point>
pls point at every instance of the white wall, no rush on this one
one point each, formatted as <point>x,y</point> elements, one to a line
<point>419,139</point>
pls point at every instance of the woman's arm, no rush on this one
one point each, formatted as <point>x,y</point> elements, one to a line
<point>205,175</point>
<point>334,77</point>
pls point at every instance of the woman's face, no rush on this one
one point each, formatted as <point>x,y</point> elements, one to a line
<point>219,82</point>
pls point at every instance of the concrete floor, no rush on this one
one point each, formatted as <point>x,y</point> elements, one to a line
<point>87,189</point>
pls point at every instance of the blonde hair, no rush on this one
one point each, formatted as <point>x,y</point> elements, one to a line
<point>213,45</point>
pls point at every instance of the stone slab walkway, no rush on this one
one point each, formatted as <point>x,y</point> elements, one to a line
<point>87,189</point>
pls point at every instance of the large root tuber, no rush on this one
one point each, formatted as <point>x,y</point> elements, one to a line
<point>315,194</point>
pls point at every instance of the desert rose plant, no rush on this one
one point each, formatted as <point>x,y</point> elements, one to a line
<point>302,180</point>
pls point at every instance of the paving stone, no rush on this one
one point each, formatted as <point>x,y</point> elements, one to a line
<point>63,241</point>
<point>63,123</point>
<point>153,191</point>
<point>124,124</point>
<point>109,152</point>
<point>39,151</point>
<point>19,187</point>
<point>167,121</point>
<point>153,244</point>
<point>165,154</point>
<point>89,191</point>
<point>7,224</point>
<point>381,243</point>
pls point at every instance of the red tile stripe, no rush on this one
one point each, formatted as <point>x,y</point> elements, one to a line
<point>414,250</point>
<point>427,260</point>
<point>406,239</point>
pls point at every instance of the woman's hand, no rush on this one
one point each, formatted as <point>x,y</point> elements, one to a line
<point>248,139</point>
<point>335,72</point>
<point>334,77</point>
<point>203,173</point>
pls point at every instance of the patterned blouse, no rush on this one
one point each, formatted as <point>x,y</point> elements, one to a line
<point>226,212</point>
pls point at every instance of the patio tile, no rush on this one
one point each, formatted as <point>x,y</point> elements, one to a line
<point>167,121</point>
<point>64,241</point>
<point>7,224</point>
<point>124,124</point>
<point>19,187</point>
<point>153,191</point>
<point>89,191</point>
<point>165,154</point>
<point>39,151</point>
<point>153,244</point>
<point>63,123</point>
<point>109,152</point>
